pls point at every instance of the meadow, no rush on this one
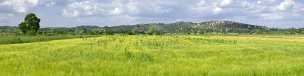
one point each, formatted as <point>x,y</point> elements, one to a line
<point>143,55</point>
<point>15,39</point>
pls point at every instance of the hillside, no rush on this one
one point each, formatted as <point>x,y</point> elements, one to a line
<point>162,28</point>
<point>190,27</point>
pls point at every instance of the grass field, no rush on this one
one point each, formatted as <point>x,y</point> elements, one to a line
<point>14,39</point>
<point>156,56</point>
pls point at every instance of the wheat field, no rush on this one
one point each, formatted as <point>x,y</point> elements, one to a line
<point>176,55</point>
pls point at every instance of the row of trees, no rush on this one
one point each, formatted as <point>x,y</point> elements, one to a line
<point>156,30</point>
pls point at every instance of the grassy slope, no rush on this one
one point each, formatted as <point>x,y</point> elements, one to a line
<point>156,56</point>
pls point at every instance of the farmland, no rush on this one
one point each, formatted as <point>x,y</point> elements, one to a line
<point>15,39</point>
<point>143,55</point>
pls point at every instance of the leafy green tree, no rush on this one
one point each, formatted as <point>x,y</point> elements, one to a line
<point>96,31</point>
<point>152,30</point>
<point>292,31</point>
<point>23,27</point>
<point>30,25</point>
<point>80,31</point>
<point>108,30</point>
<point>131,32</point>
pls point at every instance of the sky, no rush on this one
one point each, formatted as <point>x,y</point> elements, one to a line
<point>68,13</point>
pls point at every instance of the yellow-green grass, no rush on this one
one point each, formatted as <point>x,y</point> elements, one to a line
<point>156,56</point>
<point>14,39</point>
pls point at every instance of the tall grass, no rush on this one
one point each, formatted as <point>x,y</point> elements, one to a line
<point>156,56</point>
<point>14,39</point>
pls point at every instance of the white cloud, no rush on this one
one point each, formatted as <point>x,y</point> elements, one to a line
<point>201,3</point>
<point>217,10</point>
<point>49,4</point>
<point>119,7</point>
<point>132,6</point>
<point>225,3</point>
<point>116,11</point>
<point>205,7</point>
<point>286,4</point>
<point>215,6</point>
<point>20,6</point>
<point>271,16</point>
<point>83,8</point>
<point>259,2</point>
<point>150,7</point>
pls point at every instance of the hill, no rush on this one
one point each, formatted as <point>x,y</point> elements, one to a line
<point>222,27</point>
<point>191,27</point>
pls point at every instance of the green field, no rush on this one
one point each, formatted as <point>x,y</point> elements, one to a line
<point>14,39</point>
<point>156,56</point>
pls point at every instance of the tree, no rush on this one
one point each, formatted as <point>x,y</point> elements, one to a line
<point>152,30</point>
<point>292,31</point>
<point>131,32</point>
<point>30,25</point>
<point>23,27</point>
<point>108,31</point>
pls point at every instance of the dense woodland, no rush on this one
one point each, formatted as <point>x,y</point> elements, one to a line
<point>210,27</point>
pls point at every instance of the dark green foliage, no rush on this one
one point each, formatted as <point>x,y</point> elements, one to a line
<point>30,25</point>
<point>23,27</point>
<point>131,32</point>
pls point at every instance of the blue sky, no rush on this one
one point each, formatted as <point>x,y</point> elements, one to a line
<point>54,13</point>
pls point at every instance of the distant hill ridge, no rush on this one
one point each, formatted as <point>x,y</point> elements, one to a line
<point>216,26</point>
<point>191,27</point>
<point>210,24</point>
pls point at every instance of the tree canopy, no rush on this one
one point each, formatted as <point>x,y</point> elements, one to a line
<point>30,25</point>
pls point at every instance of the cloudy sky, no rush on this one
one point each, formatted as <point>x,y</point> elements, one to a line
<point>274,13</point>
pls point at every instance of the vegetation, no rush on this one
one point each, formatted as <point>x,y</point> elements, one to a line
<point>30,24</point>
<point>152,30</point>
<point>14,39</point>
<point>157,56</point>
<point>213,48</point>
<point>210,27</point>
